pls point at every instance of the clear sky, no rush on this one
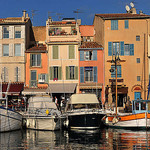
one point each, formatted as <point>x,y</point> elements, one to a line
<point>59,9</point>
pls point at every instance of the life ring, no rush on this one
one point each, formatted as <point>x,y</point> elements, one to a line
<point>115,120</point>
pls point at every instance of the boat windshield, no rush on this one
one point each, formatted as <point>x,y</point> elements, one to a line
<point>85,106</point>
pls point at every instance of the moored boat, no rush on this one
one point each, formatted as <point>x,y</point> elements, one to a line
<point>83,112</point>
<point>139,118</point>
<point>42,114</point>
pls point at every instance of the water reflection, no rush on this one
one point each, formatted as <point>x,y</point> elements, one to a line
<point>112,139</point>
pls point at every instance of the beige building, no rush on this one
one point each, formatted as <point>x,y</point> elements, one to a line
<point>14,39</point>
<point>62,39</point>
<point>125,35</point>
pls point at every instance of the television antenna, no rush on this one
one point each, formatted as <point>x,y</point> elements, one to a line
<point>33,14</point>
<point>59,16</point>
<point>77,12</point>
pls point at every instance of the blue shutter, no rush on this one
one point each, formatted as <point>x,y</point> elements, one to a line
<point>94,54</point>
<point>109,48</point>
<point>137,95</point>
<point>122,48</point>
<point>126,22</point>
<point>119,71</point>
<point>81,74</point>
<point>95,74</point>
<point>114,24</point>
<point>132,49</point>
<point>81,55</point>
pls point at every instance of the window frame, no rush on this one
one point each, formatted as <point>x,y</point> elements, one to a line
<point>114,24</point>
<point>138,38</point>
<point>6,32</point>
<point>34,63</point>
<point>6,54</point>
<point>17,35</point>
<point>16,54</point>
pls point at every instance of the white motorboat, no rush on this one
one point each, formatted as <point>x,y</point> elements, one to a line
<point>42,114</point>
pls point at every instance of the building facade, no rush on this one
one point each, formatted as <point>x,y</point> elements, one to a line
<point>124,35</point>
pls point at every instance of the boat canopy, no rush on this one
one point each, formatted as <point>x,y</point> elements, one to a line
<point>41,102</point>
<point>83,99</point>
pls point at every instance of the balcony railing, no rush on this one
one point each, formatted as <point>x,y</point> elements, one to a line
<point>33,83</point>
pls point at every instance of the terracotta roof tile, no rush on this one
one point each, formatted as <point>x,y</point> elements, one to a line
<point>122,16</point>
<point>87,30</point>
<point>37,48</point>
<point>90,45</point>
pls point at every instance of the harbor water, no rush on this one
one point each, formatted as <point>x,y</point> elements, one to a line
<point>112,139</point>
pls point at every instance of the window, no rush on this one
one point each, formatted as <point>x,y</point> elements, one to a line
<point>88,73</point>
<point>71,52</point>
<point>114,24</point>
<point>88,55</point>
<point>138,78</point>
<point>5,74</point>
<point>35,60</point>
<point>5,50</point>
<point>138,60</point>
<point>71,72</point>
<point>55,51</point>
<point>17,32</point>
<point>55,72</point>
<point>127,50</point>
<point>43,78</point>
<point>33,81</point>
<point>55,31</point>
<point>121,48</point>
<point>137,38</point>
<point>17,74</point>
<point>5,32</point>
<point>113,74</point>
<point>17,49</point>
<point>126,24</point>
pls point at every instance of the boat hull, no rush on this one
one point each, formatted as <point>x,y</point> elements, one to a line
<point>85,121</point>
<point>9,120</point>
<point>141,120</point>
<point>43,123</point>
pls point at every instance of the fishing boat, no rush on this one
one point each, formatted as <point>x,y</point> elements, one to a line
<point>9,119</point>
<point>139,118</point>
<point>42,114</point>
<point>83,112</point>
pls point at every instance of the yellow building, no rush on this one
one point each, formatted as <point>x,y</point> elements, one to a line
<point>124,35</point>
<point>14,39</point>
<point>62,39</point>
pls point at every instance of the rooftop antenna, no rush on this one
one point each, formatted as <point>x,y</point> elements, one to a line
<point>33,14</point>
<point>77,12</point>
<point>59,16</point>
<point>127,8</point>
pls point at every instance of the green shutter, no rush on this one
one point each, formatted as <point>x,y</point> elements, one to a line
<point>59,73</point>
<point>39,75</point>
<point>30,60</point>
<point>67,72</point>
<point>76,72</point>
<point>46,80</point>
<point>71,52</point>
<point>55,51</point>
<point>51,73</point>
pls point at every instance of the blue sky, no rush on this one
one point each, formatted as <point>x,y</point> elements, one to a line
<point>65,8</point>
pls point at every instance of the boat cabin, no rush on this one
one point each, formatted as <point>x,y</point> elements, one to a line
<point>140,106</point>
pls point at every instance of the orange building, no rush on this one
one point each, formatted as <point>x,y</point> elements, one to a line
<point>91,69</point>
<point>126,36</point>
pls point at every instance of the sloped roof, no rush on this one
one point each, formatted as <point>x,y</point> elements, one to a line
<point>87,30</point>
<point>90,45</point>
<point>37,48</point>
<point>122,16</point>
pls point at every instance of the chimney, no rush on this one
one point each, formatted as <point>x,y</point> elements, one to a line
<point>141,12</point>
<point>24,13</point>
<point>133,10</point>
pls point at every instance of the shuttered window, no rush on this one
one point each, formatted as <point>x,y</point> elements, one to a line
<point>35,60</point>
<point>55,73</point>
<point>17,32</point>
<point>126,24</point>
<point>5,74</point>
<point>113,74</point>
<point>71,72</point>
<point>5,32</point>
<point>55,51</point>
<point>114,24</point>
<point>33,77</point>
<point>17,74</point>
<point>71,52</point>
<point>6,50</point>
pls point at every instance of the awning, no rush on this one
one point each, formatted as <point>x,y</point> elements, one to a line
<point>62,88</point>
<point>90,86</point>
<point>14,88</point>
<point>34,91</point>
<point>121,90</point>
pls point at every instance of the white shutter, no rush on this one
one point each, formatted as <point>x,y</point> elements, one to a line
<point>22,49</point>
<point>10,49</point>
<point>11,32</point>
<point>1,32</point>
<point>1,52</point>
<point>22,32</point>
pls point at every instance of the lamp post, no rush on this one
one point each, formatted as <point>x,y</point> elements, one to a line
<point>115,62</point>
